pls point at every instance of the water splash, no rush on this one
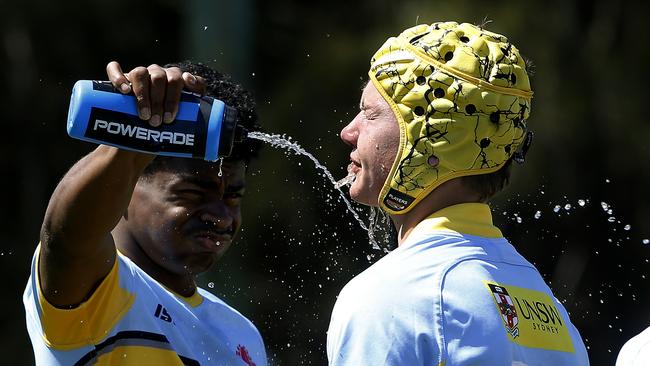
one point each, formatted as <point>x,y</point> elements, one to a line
<point>380,225</point>
<point>284,143</point>
<point>348,180</point>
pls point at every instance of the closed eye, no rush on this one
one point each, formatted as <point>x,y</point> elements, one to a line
<point>369,114</point>
<point>192,192</point>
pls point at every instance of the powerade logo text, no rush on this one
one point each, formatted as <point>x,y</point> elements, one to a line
<point>180,138</point>
<point>116,128</point>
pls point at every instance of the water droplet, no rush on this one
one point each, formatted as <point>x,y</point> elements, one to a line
<point>611,219</point>
<point>205,27</point>
<point>607,180</point>
<point>519,220</point>
<point>211,284</point>
<point>645,241</point>
<point>567,206</point>
<point>557,208</point>
<point>538,214</point>
<point>581,202</point>
<point>605,206</point>
<point>627,227</point>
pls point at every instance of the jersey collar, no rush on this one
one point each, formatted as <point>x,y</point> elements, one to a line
<point>194,300</point>
<point>465,218</point>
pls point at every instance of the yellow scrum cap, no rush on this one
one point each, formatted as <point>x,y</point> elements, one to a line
<point>461,96</point>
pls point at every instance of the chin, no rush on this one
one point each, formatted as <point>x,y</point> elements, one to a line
<point>363,196</point>
<point>203,262</point>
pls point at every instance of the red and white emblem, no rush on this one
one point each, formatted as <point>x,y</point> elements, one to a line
<point>507,309</point>
<point>243,353</point>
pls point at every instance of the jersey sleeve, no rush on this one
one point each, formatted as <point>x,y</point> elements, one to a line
<point>473,331</point>
<point>636,351</point>
<point>505,316</point>
<point>86,324</point>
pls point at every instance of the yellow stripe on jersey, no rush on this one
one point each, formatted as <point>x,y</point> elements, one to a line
<point>139,355</point>
<point>135,348</point>
<point>466,218</point>
<point>194,300</point>
<point>88,323</point>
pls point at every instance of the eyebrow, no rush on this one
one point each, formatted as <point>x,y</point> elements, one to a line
<point>363,86</point>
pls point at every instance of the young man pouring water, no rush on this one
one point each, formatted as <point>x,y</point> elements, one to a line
<point>126,233</point>
<point>441,120</point>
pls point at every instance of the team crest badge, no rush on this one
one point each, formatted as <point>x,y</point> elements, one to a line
<point>507,309</point>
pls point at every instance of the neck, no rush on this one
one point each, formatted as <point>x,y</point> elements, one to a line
<point>452,192</point>
<point>182,284</point>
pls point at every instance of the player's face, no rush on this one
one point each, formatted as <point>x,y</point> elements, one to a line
<point>374,137</point>
<point>186,218</point>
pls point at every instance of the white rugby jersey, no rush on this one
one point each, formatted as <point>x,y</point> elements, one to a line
<point>131,319</point>
<point>636,351</point>
<point>454,293</point>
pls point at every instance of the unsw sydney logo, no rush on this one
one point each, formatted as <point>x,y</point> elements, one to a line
<point>531,318</point>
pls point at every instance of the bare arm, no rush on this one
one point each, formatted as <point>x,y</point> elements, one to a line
<point>77,249</point>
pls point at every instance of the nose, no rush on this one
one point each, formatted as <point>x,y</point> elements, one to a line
<point>217,213</point>
<point>350,134</point>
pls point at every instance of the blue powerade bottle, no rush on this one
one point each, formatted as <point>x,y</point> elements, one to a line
<point>204,128</point>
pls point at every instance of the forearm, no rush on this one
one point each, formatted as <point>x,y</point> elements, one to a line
<point>90,199</point>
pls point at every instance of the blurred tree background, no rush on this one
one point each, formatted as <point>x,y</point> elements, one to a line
<point>305,63</point>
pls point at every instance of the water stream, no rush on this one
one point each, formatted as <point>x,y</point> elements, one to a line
<point>379,221</point>
<point>279,141</point>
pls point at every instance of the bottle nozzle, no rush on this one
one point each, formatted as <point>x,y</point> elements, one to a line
<point>241,133</point>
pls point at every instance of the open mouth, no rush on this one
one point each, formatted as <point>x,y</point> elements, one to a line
<point>212,240</point>
<point>353,168</point>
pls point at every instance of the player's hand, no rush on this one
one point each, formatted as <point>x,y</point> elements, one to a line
<point>157,89</point>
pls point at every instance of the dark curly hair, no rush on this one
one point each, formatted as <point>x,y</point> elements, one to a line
<point>220,86</point>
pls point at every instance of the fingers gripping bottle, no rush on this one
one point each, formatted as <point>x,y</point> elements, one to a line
<point>204,128</point>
